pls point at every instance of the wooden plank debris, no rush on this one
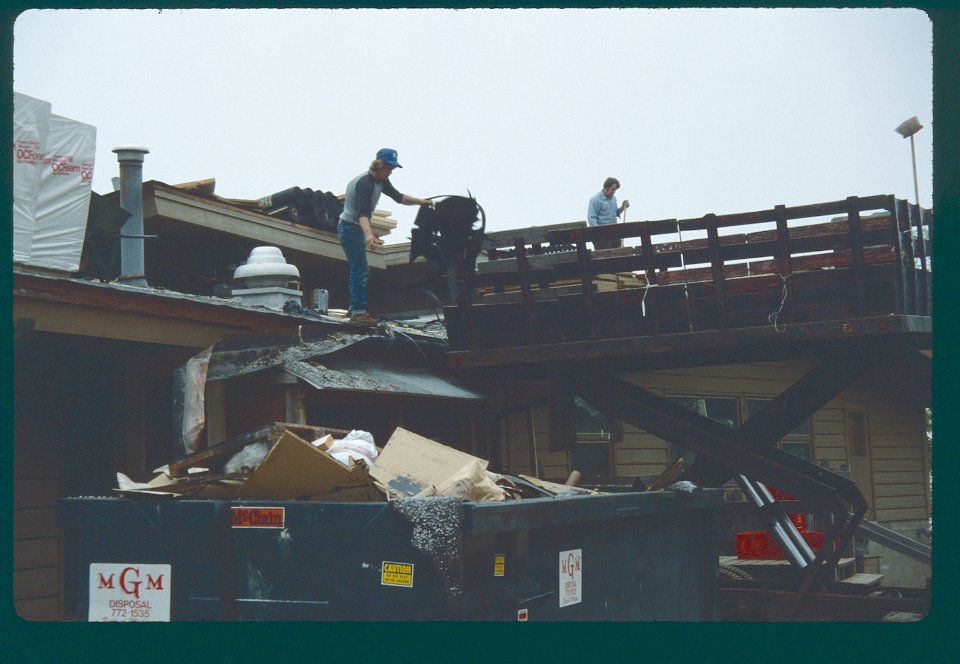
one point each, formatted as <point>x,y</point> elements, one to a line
<point>269,433</point>
<point>863,581</point>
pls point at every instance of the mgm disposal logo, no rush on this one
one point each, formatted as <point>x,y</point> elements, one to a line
<point>129,592</point>
<point>571,579</point>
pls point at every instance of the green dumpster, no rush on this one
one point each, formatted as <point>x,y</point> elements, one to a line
<point>616,557</point>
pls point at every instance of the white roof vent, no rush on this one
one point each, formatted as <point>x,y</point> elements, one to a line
<point>266,267</point>
<point>266,276</point>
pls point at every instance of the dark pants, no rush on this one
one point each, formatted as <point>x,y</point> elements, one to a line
<point>355,249</point>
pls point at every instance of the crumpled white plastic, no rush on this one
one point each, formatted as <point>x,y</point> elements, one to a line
<point>249,457</point>
<point>357,445</point>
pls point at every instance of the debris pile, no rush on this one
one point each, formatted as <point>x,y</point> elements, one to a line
<point>298,462</point>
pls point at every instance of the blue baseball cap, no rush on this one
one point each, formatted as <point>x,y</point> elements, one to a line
<point>388,155</point>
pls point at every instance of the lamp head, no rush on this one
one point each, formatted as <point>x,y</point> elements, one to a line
<point>909,127</point>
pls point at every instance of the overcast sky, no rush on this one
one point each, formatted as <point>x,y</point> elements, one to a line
<point>694,110</point>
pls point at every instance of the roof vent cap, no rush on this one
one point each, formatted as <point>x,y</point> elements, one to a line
<point>266,267</point>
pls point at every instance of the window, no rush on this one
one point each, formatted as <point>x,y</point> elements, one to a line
<point>594,425</point>
<point>591,459</point>
<point>856,433</point>
<point>592,454</point>
<point>798,442</point>
<point>718,409</point>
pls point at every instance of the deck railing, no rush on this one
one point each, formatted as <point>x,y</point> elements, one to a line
<point>864,257</point>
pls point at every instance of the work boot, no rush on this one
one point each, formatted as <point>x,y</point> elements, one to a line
<point>363,319</point>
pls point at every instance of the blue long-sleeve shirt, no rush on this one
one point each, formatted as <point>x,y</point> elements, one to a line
<point>602,210</point>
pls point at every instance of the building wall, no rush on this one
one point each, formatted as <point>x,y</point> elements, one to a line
<point>896,485</point>
<point>899,459</point>
<point>38,481</point>
<point>253,401</point>
<point>57,430</point>
<point>81,410</point>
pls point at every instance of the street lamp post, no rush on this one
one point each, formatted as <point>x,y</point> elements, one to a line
<point>909,128</point>
<point>905,129</point>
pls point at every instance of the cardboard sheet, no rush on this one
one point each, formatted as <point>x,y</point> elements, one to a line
<point>412,465</point>
<point>295,469</point>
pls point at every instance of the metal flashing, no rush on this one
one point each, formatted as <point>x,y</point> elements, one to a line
<point>373,377</point>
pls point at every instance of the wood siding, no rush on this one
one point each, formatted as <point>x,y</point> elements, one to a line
<point>80,411</point>
<point>37,546</point>
<point>38,461</point>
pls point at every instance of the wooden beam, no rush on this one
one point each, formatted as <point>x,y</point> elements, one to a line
<point>103,310</point>
<point>529,235</point>
<point>699,434</point>
<point>161,202</point>
<point>125,326</point>
<point>798,340</point>
<point>776,419</point>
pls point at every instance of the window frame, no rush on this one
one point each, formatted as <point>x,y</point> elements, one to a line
<point>689,456</point>
<point>614,435</point>
<point>794,437</point>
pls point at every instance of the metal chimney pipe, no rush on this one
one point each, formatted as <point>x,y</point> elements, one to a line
<point>132,270</point>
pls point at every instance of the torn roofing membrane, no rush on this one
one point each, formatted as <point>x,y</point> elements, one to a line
<point>305,361</point>
<point>231,363</point>
<point>370,376</point>
<point>295,358</point>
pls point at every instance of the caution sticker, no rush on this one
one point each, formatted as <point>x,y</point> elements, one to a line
<point>396,574</point>
<point>257,517</point>
<point>499,562</point>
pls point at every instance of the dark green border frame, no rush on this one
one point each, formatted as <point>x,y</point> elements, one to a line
<point>591,642</point>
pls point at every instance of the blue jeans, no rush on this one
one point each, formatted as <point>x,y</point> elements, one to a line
<point>355,249</point>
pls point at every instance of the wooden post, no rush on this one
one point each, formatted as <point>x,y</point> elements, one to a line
<point>927,220</point>
<point>898,272</point>
<point>912,285</point>
<point>716,266</point>
<point>786,266</point>
<point>529,331</point>
<point>465,311</point>
<point>916,217</point>
<point>586,285</point>
<point>856,249</point>
<point>647,245</point>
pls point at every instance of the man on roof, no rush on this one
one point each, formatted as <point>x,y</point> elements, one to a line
<point>603,210</point>
<point>362,194</point>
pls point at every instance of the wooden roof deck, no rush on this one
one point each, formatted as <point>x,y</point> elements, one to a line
<point>766,284</point>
